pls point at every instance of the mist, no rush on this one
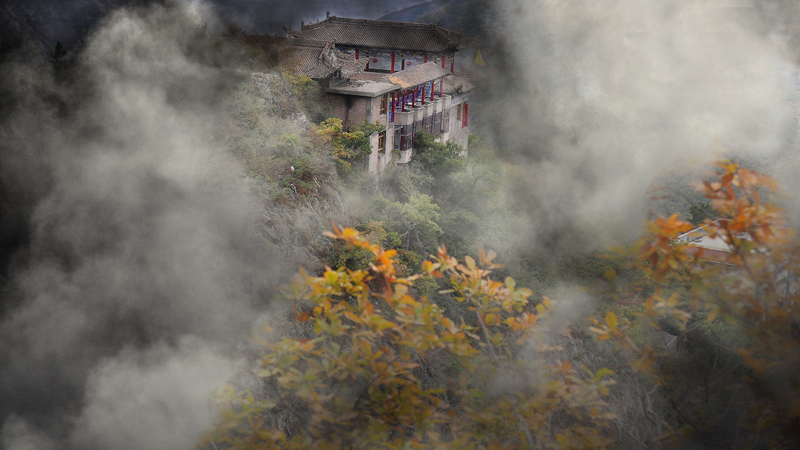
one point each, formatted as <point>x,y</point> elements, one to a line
<point>129,269</point>
<point>599,99</point>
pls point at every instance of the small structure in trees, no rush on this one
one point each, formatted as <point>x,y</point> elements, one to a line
<point>713,249</point>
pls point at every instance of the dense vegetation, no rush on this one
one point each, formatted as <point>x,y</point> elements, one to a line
<point>366,361</point>
<point>399,331</point>
<point>383,343</point>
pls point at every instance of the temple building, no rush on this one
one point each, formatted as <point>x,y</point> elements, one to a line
<point>400,74</point>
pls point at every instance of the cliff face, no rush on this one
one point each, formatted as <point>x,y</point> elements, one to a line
<point>18,25</point>
<point>291,181</point>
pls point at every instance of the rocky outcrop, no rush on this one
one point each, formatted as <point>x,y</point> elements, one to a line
<point>279,99</point>
<point>292,185</point>
<point>293,232</point>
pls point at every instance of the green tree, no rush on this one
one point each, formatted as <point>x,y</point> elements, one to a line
<point>414,221</point>
<point>348,147</point>
<point>59,51</point>
<point>437,158</point>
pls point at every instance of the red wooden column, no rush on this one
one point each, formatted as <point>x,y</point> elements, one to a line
<point>433,89</point>
<point>422,89</point>
<point>443,58</point>
<point>426,57</point>
<point>392,61</point>
<point>414,98</point>
<point>453,64</point>
<point>356,54</point>
<point>441,88</point>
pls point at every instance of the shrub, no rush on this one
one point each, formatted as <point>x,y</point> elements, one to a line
<point>348,147</point>
<point>370,365</point>
<point>734,381</point>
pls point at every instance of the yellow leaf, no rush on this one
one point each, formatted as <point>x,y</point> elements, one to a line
<point>409,300</point>
<point>713,314</point>
<point>331,277</point>
<point>470,262</point>
<point>497,338</point>
<point>603,372</point>
<point>611,320</point>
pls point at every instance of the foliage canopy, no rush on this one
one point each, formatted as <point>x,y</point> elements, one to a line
<point>348,147</point>
<point>366,361</point>
<point>357,369</point>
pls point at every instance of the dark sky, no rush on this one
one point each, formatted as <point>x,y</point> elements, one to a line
<point>50,21</point>
<point>268,16</point>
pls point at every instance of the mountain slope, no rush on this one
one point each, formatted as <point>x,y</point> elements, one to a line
<point>474,18</point>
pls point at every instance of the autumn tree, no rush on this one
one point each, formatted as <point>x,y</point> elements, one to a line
<point>364,363</point>
<point>733,380</point>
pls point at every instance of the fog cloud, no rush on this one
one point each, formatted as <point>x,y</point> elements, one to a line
<point>137,273</point>
<point>597,99</point>
<point>153,399</point>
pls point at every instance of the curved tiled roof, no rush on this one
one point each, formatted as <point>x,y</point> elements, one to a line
<point>414,76</point>
<point>409,36</point>
<point>458,84</point>
<point>418,75</point>
<point>318,59</point>
<point>372,83</point>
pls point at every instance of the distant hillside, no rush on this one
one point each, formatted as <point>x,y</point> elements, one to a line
<point>46,22</point>
<point>486,21</point>
<point>474,18</point>
<point>17,26</point>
